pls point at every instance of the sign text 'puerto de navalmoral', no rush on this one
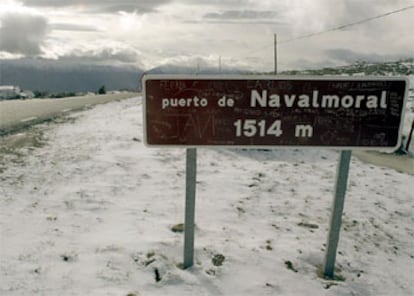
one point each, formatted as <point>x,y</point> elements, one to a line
<point>340,112</point>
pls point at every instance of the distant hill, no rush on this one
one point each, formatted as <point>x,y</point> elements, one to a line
<point>177,69</point>
<point>393,68</point>
<point>403,67</point>
<point>58,76</point>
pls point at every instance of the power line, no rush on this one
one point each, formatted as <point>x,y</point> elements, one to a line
<point>348,25</point>
<point>338,28</point>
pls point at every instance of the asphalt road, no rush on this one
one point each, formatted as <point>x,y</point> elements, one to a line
<point>15,114</point>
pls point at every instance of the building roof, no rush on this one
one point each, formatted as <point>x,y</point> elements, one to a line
<point>8,87</point>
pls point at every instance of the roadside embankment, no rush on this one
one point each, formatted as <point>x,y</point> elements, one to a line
<point>401,163</point>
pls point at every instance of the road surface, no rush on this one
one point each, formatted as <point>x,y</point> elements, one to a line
<point>15,114</point>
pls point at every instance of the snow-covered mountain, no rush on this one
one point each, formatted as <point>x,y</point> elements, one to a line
<point>392,68</point>
<point>61,76</point>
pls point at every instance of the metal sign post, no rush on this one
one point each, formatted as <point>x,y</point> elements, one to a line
<point>336,214</point>
<point>190,191</point>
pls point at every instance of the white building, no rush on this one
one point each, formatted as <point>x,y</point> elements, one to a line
<point>9,91</point>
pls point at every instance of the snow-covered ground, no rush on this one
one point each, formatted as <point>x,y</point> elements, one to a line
<point>87,209</point>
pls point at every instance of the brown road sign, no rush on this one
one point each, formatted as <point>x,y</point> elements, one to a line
<point>335,112</point>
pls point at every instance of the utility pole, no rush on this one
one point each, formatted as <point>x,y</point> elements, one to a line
<point>275,53</point>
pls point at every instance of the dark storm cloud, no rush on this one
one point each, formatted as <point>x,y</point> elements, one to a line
<point>22,33</point>
<point>99,6</point>
<point>104,55</point>
<point>56,3</point>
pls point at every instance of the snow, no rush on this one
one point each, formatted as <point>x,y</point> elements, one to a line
<point>86,209</point>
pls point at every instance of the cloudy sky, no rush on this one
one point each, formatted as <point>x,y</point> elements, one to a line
<point>149,33</point>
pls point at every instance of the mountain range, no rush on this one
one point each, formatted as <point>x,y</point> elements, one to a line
<point>62,76</point>
<point>59,76</point>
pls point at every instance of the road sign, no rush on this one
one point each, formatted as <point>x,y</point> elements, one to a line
<point>336,112</point>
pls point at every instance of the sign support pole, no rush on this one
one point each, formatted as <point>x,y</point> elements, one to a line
<point>410,136</point>
<point>336,214</point>
<point>190,191</point>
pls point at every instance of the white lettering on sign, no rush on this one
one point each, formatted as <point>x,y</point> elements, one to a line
<point>316,101</point>
<point>252,127</point>
<point>183,102</point>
